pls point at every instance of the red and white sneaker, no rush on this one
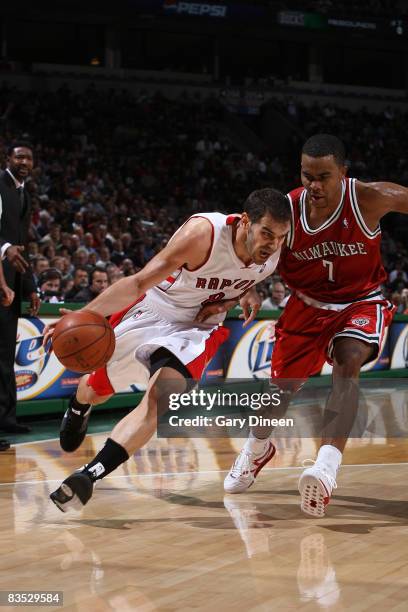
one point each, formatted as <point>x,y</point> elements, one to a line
<point>315,487</point>
<point>246,468</point>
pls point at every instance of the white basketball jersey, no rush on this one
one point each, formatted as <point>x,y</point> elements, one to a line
<point>222,277</point>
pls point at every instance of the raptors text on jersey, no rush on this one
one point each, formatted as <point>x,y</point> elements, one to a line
<point>223,276</point>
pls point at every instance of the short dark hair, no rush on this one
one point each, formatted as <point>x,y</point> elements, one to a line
<point>18,144</point>
<point>50,274</point>
<point>267,201</point>
<point>320,145</point>
<point>92,274</point>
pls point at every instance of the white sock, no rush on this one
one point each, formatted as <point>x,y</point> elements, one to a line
<point>330,455</point>
<point>256,445</point>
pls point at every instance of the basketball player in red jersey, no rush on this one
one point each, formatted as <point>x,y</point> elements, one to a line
<point>336,312</point>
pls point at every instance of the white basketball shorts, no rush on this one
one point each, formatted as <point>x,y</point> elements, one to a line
<point>139,332</point>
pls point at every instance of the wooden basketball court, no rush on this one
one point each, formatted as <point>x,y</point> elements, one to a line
<point>160,534</point>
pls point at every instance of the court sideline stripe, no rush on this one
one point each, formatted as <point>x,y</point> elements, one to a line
<point>136,475</point>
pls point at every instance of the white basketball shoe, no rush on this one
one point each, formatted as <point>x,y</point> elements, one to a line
<point>315,487</point>
<point>246,467</point>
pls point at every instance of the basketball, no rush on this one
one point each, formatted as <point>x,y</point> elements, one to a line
<point>83,341</point>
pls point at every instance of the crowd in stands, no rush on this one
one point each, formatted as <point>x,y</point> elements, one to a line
<point>116,174</point>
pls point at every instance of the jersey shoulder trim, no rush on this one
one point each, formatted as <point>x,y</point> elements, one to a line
<point>231,218</point>
<point>210,250</point>
<point>295,194</point>
<point>357,213</point>
<point>291,235</point>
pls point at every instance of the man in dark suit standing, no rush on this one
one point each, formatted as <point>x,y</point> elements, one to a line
<point>15,214</point>
<point>6,298</point>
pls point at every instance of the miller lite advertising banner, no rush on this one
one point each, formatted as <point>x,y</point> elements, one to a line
<point>246,354</point>
<point>399,342</point>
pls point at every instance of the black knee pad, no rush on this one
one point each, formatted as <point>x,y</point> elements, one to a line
<point>163,358</point>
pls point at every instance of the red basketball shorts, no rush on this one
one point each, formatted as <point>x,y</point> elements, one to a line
<point>305,334</point>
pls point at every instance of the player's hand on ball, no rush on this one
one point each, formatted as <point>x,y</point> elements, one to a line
<point>83,341</point>
<point>49,329</point>
<point>214,308</point>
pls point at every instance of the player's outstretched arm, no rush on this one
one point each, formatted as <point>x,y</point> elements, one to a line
<point>378,199</point>
<point>190,246</point>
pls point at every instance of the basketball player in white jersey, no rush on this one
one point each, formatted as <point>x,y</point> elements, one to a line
<point>159,340</point>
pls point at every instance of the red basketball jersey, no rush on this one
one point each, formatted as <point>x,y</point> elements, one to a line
<point>338,262</point>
